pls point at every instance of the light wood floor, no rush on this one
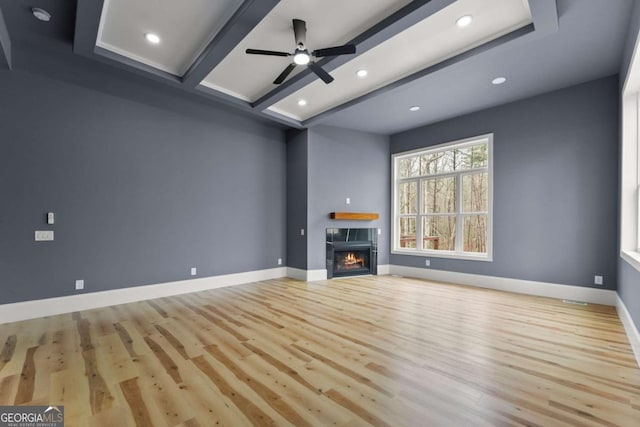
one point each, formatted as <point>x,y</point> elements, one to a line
<point>379,350</point>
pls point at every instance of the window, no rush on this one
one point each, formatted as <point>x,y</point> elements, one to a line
<point>442,199</point>
<point>630,179</point>
<point>630,163</point>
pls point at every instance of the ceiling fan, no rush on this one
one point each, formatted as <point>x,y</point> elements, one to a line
<point>302,56</point>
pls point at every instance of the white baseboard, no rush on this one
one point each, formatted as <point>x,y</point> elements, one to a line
<point>297,274</point>
<point>316,275</point>
<point>67,304</point>
<point>629,327</point>
<point>384,269</point>
<point>551,290</point>
<point>306,275</point>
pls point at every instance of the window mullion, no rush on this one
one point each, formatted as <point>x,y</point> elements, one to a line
<point>459,246</point>
<point>419,231</point>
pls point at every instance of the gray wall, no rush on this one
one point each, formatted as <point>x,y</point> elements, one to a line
<point>344,163</point>
<point>629,277</point>
<point>297,161</point>
<point>555,171</point>
<point>141,194</point>
<point>630,41</point>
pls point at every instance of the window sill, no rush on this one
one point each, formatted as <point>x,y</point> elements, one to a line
<point>441,254</point>
<point>632,257</point>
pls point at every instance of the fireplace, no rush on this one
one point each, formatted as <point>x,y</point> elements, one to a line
<point>351,251</point>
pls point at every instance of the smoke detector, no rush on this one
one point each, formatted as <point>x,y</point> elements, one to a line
<point>41,14</point>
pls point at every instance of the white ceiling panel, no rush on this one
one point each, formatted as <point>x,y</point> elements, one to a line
<point>429,42</point>
<point>185,28</point>
<point>329,23</point>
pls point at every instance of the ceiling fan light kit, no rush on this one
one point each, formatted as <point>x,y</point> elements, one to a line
<point>301,55</point>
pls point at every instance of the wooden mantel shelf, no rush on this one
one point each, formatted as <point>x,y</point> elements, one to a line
<point>361,216</point>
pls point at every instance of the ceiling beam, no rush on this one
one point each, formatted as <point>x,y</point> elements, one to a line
<point>5,44</point>
<point>545,16</point>
<point>245,18</point>
<point>394,24</point>
<point>88,14</point>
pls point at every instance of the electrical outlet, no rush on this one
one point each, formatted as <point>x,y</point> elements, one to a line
<point>50,218</point>
<point>379,231</point>
<point>302,231</point>
<point>597,280</point>
<point>427,263</point>
<point>348,200</point>
<point>194,271</point>
<point>279,261</point>
<point>79,284</point>
<point>43,235</point>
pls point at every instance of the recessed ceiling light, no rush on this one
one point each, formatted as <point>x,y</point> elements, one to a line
<point>152,38</point>
<point>41,14</point>
<point>499,80</point>
<point>362,73</point>
<point>463,21</point>
<point>302,102</point>
<point>414,108</point>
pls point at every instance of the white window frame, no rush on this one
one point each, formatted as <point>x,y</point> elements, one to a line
<point>630,164</point>
<point>396,180</point>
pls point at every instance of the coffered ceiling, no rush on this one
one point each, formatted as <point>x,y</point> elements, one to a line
<point>201,44</point>
<point>414,52</point>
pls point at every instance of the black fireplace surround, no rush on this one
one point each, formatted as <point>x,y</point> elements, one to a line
<point>351,252</point>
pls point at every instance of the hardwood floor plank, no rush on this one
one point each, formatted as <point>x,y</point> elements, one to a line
<point>27,378</point>
<point>253,412</point>
<point>281,366</point>
<point>170,367</point>
<point>127,341</point>
<point>176,343</point>
<point>136,403</point>
<point>71,389</point>
<point>274,400</point>
<point>8,389</point>
<point>8,349</point>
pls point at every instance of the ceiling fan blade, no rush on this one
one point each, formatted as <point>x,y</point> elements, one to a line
<point>283,75</point>
<point>300,31</point>
<point>334,51</point>
<point>266,52</point>
<point>320,72</point>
